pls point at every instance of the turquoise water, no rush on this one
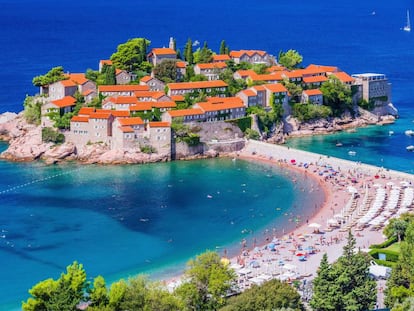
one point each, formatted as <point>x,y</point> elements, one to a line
<point>124,220</point>
<point>373,145</point>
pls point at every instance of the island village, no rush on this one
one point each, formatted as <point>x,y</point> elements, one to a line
<point>216,100</point>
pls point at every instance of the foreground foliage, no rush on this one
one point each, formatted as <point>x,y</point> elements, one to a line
<point>400,285</point>
<point>272,295</point>
<point>345,284</point>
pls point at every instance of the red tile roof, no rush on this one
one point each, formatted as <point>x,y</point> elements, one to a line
<point>276,68</point>
<point>162,104</point>
<point>218,65</point>
<point>119,100</point>
<point>267,77</point>
<point>67,83</point>
<point>126,129</point>
<point>196,85</point>
<point>146,79</point>
<point>105,62</point>
<point>163,51</point>
<point>178,98</point>
<point>87,92</point>
<point>250,53</point>
<point>79,119</point>
<point>343,77</point>
<point>66,101</point>
<point>141,106</point>
<point>218,103</point>
<point>249,93</point>
<point>131,121</point>
<point>315,79</point>
<point>100,115</point>
<point>159,124</point>
<point>276,88</point>
<point>322,68</point>
<point>220,58</point>
<point>181,65</point>
<point>185,112</point>
<point>86,111</point>
<point>120,113</point>
<point>78,78</point>
<point>245,73</point>
<point>123,88</point>
<point>313,92</point>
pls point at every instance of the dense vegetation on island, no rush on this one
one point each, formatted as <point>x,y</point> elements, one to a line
<point>132,56</point>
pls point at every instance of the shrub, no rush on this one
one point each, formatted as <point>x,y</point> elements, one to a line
<point>51,135</point>
<point>306,112</point>
<point>252,134</point>
<point>385,244</point>
<point>243,123</point>
<point>148,149</point>
<point>391,255</point>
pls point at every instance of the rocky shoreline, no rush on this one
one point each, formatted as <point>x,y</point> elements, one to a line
<point>25,142</point>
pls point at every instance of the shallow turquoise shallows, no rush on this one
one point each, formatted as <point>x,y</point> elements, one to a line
<point>124,220</point>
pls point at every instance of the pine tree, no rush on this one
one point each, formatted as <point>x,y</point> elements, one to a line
<point>344,285</point>
<point>188,51</point>
<point>223,47</point>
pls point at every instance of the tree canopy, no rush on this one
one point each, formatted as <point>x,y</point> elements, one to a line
<point>345,284</point>
<point>290,59</point>
<point>53,75</point>
<point>131,54</point>
<point>63,294</point>
<point>208,282</point>
<point>203,55</point>
<point>271,295</point>
<point>336,95</point>
<point>166,71</point>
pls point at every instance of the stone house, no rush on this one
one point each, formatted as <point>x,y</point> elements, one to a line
<point>128,133</point>
<point>220,109</point>
<point>211,88</point>
<point>157,55</point>
<point>217,58</point>
<point>313,81</point>
<point>122,77</point>
<point>60,106</point>
<point>313,96</point>
<point>252,57</point>
<point>210,70</point>
<point>119,102</point>
<point>344,77</point>
<point>254,96</point>
<point>160,136</point>
<point>153,83</point>
<point>186,115</point>
<point>181,69</point>
<point>121,90</point>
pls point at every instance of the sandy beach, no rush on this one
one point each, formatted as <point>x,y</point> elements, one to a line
<point>358,197</point>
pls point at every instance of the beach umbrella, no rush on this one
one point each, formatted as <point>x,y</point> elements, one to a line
<point>300,254</point>
<point>390,183</point>
<point>293,161</point>
<point>340,216</point>
<point>314,225</point>
<point>271,246</point>
<point>254,264</point>
<point>332,221</point>
<point>302,258</point>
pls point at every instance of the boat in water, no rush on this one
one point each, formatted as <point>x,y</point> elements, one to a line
<point>410,148</point>
<point>339,144</point>
<point>407,26</point>
<point>390,133</point>
<point>352,153</point>
<point>409,132</point>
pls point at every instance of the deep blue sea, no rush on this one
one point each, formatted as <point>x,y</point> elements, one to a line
<point>119,221</point>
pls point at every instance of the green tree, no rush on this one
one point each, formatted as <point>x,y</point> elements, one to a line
<point>53,75</point>
<point>208,281</point>
<point>131,54</point>
<point>406,305</point>
<point>224,49</point>
<point>271,295</point>
<point>400,285</point>
<point>166,71</point>
<point>99,293</point>
<point>295,90</point>
<point>290,59</point>
<point>52,135</point>
<point>346,285</point>
<point>92,75</point>
<point>336,95</point>
<point>63,294</point>
<point>32,110</point>
<point>188,51</point>
<point>189,73</point>
<point>109,73</point>
<point>117,294</point>
<point>308,111</point>
<point>203,55</point>
<point>397,226</point>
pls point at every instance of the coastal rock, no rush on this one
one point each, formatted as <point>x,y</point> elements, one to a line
<point>60,152</point>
